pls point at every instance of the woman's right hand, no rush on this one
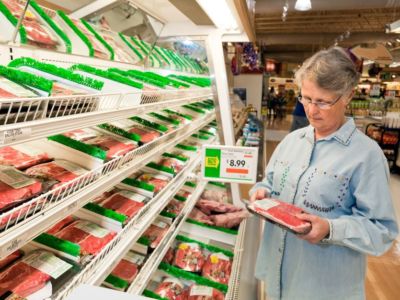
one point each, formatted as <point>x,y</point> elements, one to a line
<point>259,194</point>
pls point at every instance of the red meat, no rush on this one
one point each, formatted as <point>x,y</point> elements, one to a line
<point>172,289</point>
<point>208,207</point>
<point>217,268</point>
<point>155,233</point>
<point>104,196</point>
<point>146,134</point>
<point>219,196</point>
<point>99,51</point>
<point>17,8</point>
<point>229,220</point>
<point>6,94</point>
<point>123,205</point>
<point>77,232</point>
<point>80,134</point>
<point>173,163</point>
<point>189,257</point>
<point>60,225</point>
<point>157,181</point>
<point>183,194</point>
<point>175,207</point>
<point>199,216</point>
<point>11,156</point>
<point>282,213</point>
<point>38,34</point>
<point>126,270</point>
<point>113,146</point>
<point>10,258</point>
<point>63,90</point>
<point>169,256</point>
<point>197,292</point>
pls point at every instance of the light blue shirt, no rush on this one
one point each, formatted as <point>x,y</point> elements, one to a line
<point>343,177</point>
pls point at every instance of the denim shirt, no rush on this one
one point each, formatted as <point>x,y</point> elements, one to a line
<point>344,178</point>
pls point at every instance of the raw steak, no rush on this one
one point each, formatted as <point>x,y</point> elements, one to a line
<point>173,163</point>
<point>219,196</point>
<point>56,172</point>
<point>60,225</point>
<point>124,203</point>
<point>91,243</point>
<point>155,233</point>
<point>20,159</point>
<point>6,94</point>
<point>60,89</point>
<point>172,289</point>
<point>229,220</point>
<point>183,194</point>
<point>198,215</point>
<point>208,207</point>
<point>38,34</point>
<point>146,134</point>
<point>9,195</point>
<point>10,258</point>
<point>281,213</point>
<point>189,257</point>
<point>175,207</point>
<point>217,268</point>
<point>159,182</point>
<point>114,147</point>
<point>169,256</point>
<point>128,268</point>
<point>17,8</point>
<point>200,292</point>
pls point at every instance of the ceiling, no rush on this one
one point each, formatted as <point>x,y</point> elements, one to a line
<point>345,22</point>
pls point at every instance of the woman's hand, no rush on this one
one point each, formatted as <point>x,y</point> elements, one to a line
<point>259,194</point>
<point>319,230</point>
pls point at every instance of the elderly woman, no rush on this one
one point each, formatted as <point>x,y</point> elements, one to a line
<point>339,177</point>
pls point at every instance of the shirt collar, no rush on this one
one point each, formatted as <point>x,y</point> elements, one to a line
<point>343,135</point>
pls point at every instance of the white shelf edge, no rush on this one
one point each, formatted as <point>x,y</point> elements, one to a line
<point>19,235</point>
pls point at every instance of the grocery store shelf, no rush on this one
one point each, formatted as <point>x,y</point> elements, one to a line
<point>101,266</point>
<point>52,115</point>
<point>36,215</point>
<point>140,283</point>
<point>240,124</point>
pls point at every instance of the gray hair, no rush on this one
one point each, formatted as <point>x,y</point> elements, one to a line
<point>331,70</point>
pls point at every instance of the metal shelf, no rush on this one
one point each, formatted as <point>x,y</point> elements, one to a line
<point>101,266</point>
<point>52,115</point>
<point>36,215</point>
<point>139,284</point>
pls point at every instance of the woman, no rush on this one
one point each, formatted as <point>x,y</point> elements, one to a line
<point>340,178</point>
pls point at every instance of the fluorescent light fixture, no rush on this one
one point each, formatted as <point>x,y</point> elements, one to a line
<point>393,27</point>
<point>220,13</point>
<point>302,5</point>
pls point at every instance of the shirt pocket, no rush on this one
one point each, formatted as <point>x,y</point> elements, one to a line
<point>324,191</point>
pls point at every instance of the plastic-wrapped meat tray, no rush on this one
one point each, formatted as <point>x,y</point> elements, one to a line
<point>217,267</point>
<point>125,202</point>
<point>189,257</point>
<point>172,289</point>
<point>21,157</point>
<point>199,292</point>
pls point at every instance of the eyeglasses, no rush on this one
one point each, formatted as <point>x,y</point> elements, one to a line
<point>320,104</point>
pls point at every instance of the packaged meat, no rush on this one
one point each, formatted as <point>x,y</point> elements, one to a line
<point>81,135</point>
<point>169,256</point>
<point>209,207</point>
<point>156,180</point>
<point>199,216</point>
<point>115,146</point>
<point>17,8</point>
<point>91,237</point>
<point>6,94</point>
<point>201,292</point>
<point>4,262</point>
<point>155,233</point>
<point>217,267</point>
<point>173,163</point>
<point>14,90</point>
<point>172,289</point>
<point>99,49</point>
<point>60,89</point>
<point>281,213</point>
<point>189,257</point>
<point>146,134</point>
<point>16,187</point>
<point>39,35</point>
<point>125,202</point>
<point>229,220</point>
<point>174,207</point>
<point>60,225</point>
<point>215,195</point>
<point>22,156</point>
<point>56,172</point>
<point>31,274</point>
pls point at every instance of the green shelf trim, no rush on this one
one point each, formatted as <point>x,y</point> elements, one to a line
<point>26,78</point>
<point>186,147</point>
<point>181,158</point>
<point>53,25</point>
<point>139,184</point>
<point>80,146</point>
<point>120,131</point>
<point>176,272</point>
<point>117,282</point>
<point>153,295</point>
<point>157,167</point>
<point>191,184</point>
<point>222,185</point>
<point>178,114</point>
<point>193,108</point>
<point>58,244</point>
<point>162,55</point>
<point>108,75</point>
<point>140,45</point>
<point>77,31</point>
<point>13,20</point>
<point>203,105</point>
<point>169,81</point>
<point>211,248</point>
<point>222,229</point>
<point>144,241</point>
<point>167,214</point>
<point>180,198</point>
<point>99,38</point>
<point>206,132</point>
<point>139,55</point>
<point>164,118</point>
<point>57,71</point>
<point>200,136</point>
<point>146,76</point>
<point>109,213</point>
<point>150,124</point>
<point>138,76</point>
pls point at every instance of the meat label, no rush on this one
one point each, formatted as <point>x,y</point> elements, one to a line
<point>77,170</point>
<point>201,290</point>
<point>48,263</point>
<point>214,258</point>
<point>15,178</point>
<point>28,150</point>
<point>134,258</point>
<point>265,204</point>
<point>132,196</point>
<point>92,229</point>
<point>160,224</point>
<point>174,280</point>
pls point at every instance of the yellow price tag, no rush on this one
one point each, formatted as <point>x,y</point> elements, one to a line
<point>214,259</point>
<point>183,246</point>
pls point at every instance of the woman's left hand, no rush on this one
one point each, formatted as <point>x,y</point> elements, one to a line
<point>319,230</point>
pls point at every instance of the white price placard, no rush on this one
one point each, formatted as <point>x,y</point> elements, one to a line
<point>13,135</point>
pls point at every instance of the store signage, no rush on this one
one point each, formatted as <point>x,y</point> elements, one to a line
<point>13,135</point>
<point>375,90</point>
<point>229,163</point>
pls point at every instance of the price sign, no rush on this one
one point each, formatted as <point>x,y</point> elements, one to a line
<point>229,163</point>
<point>12,135</point>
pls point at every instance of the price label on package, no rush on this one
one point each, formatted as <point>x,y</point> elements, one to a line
<point>229,163</point>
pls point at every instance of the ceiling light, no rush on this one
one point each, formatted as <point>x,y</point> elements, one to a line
<point>220,13</point>
<point>302,5</point>
<point>393,27</point>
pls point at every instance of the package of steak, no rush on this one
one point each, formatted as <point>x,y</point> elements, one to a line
<point>199,216</point>
<point>155,233</point>
<point>280,213</point>
<point>32,273</point>
<point>174,207</point>
<point>125,271</point>
<point>189,257</point>
<point>168,165</point>
<point>61,89</point>
<point>210,207</point>
<point>16,187</point>
<point>22,156</point>
<point>11,89</point>
<point>169,256</point>
<point>56,173</point>
<point>229,219</point>
<point>201,292</point>
<point>172,289</point>
<point>146,183</point>
<point>182,118</point>
<point>217,267</point>
<point>9,259</point>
